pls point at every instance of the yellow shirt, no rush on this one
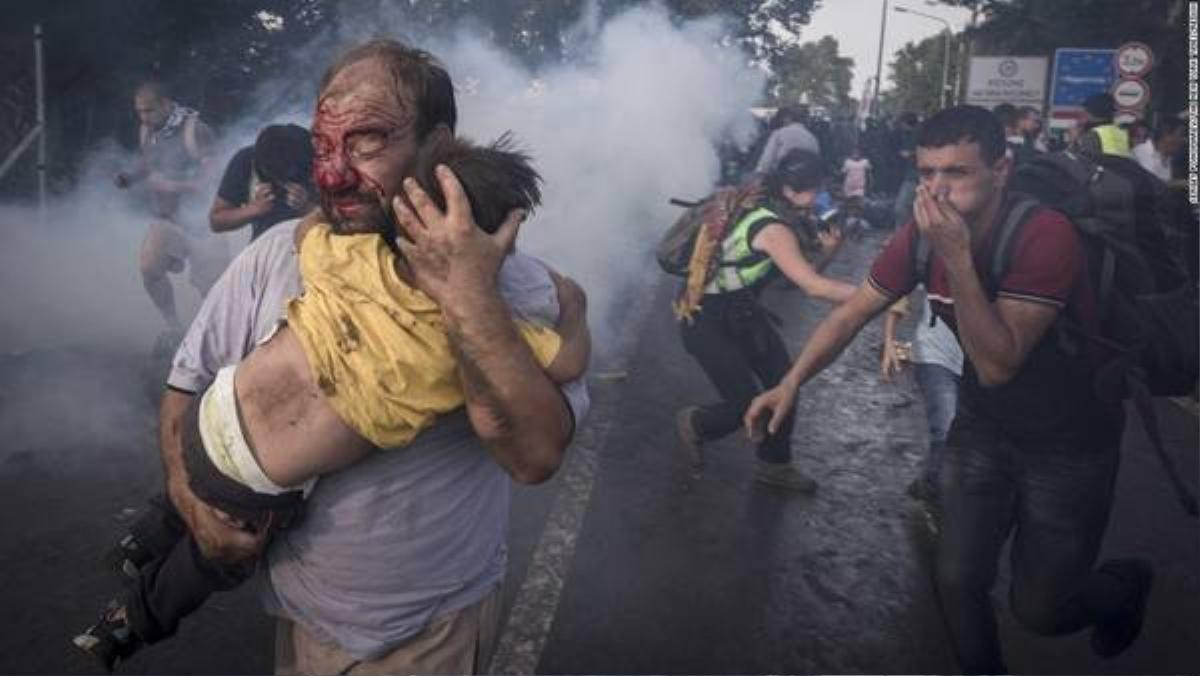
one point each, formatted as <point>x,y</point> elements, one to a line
<point>377,347</point>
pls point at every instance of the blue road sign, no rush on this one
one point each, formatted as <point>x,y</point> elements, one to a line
<point>1079,73</point>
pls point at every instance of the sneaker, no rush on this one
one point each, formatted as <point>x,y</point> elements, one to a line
<point>1113,637</point>
<point>110,640</point>
<point>784,475</point>
<point>127,558</point>
<point>685,427</point>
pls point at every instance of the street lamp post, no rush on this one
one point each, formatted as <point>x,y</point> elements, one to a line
<point>879,59</point>
<point>946,56</point>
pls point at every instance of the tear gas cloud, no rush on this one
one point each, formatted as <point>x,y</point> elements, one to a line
<point>629,120</point>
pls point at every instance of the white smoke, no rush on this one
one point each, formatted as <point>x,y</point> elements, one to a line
<point>629,120</point>
<point>73,280</point>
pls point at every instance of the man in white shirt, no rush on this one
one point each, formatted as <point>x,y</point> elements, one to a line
<point>1155,154</point>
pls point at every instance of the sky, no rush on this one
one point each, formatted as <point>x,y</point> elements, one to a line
<point>855,25</point>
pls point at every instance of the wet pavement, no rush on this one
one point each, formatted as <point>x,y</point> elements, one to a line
<point>623,563</point>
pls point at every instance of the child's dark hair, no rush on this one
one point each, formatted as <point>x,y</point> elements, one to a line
<point>497,178</point>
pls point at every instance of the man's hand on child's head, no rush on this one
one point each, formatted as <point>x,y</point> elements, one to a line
<point>446,252</point>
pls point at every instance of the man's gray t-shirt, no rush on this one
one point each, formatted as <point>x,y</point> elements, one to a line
<point>401,537</point>
<point>784,140</point>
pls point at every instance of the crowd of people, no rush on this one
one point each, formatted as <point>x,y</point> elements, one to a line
<point>1024,427</point>
<point>380,305</point>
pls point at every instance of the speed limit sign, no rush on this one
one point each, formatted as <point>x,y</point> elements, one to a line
<point>1134,59</point>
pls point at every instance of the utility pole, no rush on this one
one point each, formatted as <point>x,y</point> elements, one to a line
<point>879,59</point>
<point>41,120</point>
<point>967,47</point>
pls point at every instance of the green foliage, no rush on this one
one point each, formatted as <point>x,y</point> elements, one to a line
<point>917,72</point>
<point>813,71</point>
<point>216,54</point>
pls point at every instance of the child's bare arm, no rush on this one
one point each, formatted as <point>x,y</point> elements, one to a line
<point>572,359</point>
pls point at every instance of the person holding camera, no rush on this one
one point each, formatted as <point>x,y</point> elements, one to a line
<point>729,332</point>
<point>266,183</point>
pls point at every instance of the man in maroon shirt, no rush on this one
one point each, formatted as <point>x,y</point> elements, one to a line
<point>1033,451</point>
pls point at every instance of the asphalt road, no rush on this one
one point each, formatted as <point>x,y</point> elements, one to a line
<point>623,563</point>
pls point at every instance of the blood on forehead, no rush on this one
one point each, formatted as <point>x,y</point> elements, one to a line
<point>337,116</point>
<point>341,115</point>
<point>363,94</point>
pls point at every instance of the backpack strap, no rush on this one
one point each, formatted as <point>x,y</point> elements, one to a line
<point>1006,236</point>
<point>920,252</point>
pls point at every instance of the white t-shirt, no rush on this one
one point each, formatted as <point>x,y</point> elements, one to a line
<point>936,344</point>
<point>1152,161</point>
<point>784,140</point>
<point>855,183</point>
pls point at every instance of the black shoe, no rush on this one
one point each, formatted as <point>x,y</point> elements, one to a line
<point>127,558</point>
<point>784,475</point>
<point>110,640</point>
<point>1113,637</point>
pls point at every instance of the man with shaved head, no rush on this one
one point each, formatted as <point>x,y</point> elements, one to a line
<point>176,154</point>
<point>397,563</point>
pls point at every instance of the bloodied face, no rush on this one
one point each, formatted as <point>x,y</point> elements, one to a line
<point>364,140</point>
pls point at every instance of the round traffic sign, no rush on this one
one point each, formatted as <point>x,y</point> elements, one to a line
<point>1130,92</point>
<point>1134,59</point>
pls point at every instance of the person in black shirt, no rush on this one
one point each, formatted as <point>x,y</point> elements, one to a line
<point>266,183</point>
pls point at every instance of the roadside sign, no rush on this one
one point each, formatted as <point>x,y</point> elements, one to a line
<point>1019,80</point>
<point>1131,93</point>
<point>1080,73</point>
<point>1134,59</point>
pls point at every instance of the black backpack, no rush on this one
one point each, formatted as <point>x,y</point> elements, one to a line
<point>1149,311</point>
<point>1149,307</point>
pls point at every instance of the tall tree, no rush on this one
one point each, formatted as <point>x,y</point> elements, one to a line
<point>215,54</point>
<point>917,72</point>
<point>535,30</point>
<point>813,71</point>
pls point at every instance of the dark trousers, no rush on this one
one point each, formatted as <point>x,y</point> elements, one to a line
<point>177,579</point>
<point>1054,499</point>
<point>741,353</point>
